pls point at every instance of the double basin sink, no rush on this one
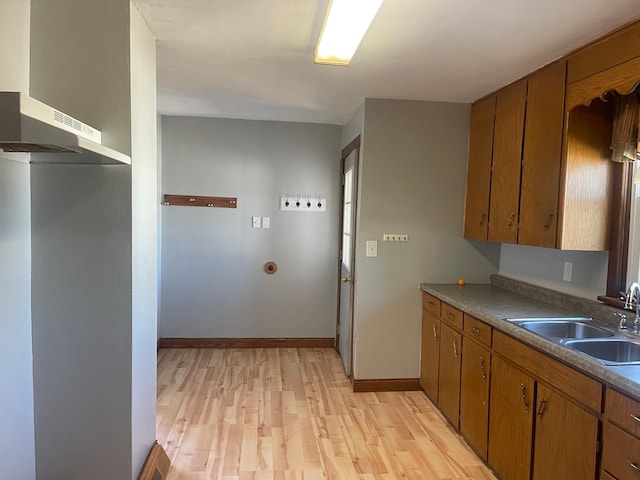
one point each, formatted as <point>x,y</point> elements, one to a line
<point>587,336</point>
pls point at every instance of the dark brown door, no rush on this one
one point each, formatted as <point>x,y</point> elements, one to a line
<point>449,381</point>
<point>430,355</point>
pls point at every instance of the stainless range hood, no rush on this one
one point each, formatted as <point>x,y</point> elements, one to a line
<point>50,136</point>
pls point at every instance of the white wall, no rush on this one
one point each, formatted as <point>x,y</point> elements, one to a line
<point>17,442</point>
<point>213,283</point>
<point>543,266</point>
<point>412,181</point>
<point>144,260</point>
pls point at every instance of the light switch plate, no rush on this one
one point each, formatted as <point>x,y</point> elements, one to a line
<point>255,222</point>
<point>266,222</point>
<point>567,274</point>
<point>372,248</point>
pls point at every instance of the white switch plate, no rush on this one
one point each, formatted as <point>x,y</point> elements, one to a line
<point>266,222</point>
<point>255,222</point>
<point>395,237</point>
<point>372,248</point>
<point>568,271</point>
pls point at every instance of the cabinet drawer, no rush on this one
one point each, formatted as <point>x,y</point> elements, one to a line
<point>477,329</point>
<point>621,457</point>
<point>623,411</point>
<point>578,386</point>
<point>431,304</point>
<point>452,316</point>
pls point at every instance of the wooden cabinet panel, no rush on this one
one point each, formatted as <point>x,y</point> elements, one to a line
<point>605,476</point>
<point>623,411</point>
<point>430,355</point>
<point>541,157</point>
<point>563,426</point>
<point>474,395</point>
<point>621,456</point>
<point>431,304</point>
<point>452,316</point>
<point>605,53</point>
<point>476,214</point>
<point>507,156</point>
<point>510,421</point>
<point>477,329</point>
<point>578,386</point>
<point>449,381</point>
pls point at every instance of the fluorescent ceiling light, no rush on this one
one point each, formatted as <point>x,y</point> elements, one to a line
<point>344,26</point>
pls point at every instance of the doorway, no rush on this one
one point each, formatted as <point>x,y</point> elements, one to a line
<point>344,328</point>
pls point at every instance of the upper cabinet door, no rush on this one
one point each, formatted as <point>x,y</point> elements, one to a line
<point>476,214</point>
<point>507,157</point>
<point>542,157</point>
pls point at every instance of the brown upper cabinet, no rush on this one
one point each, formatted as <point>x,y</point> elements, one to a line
<point>551,179</point>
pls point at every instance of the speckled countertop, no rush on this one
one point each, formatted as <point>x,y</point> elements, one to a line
<point>512,299</point>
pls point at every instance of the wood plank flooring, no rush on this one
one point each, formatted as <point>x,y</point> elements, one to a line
<point>290,414</point>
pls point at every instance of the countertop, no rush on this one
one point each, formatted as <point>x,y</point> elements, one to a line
<point>493,305</point>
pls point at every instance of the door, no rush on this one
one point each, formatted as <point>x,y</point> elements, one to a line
<point>344,330</point>
<point>510,421</point>
<point>449,380</point>
<point>474,395</point>
<point>430,355</point>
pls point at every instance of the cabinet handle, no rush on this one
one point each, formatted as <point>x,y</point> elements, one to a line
<point>633,465</point>
<point>543,405</point>
<point>475,330</point>
<point>511,218</point>
<point>455,349</point>
<point>548,222</point>
<point>524,396</point>
<point>482,219</point>
<point>482,364</point>
<point>450,315</point>
<point>435,333</point>
<point>635,417</point>
<point>431,303</point>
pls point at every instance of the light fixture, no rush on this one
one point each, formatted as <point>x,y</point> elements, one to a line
<point>344,26</point>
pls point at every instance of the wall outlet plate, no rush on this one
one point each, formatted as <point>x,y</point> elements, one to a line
<point>395,237</point>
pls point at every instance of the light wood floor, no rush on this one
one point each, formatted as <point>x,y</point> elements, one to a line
<point>290,414</point>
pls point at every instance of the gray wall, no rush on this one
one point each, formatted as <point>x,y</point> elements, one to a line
<point>413,174</point>
<point>17,447</point>
<point>213,283</point>
<point>144,261</point>
<point>81,248</point>
<point>543,266</point>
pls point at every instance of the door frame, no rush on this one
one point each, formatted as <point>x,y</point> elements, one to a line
<point>346,151</point>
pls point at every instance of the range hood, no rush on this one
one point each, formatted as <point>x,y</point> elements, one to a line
<point>50,136</point>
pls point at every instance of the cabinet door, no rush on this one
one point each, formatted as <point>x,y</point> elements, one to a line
<point>510,421</point>
<point>563,426</point>
<point>507,157</point>
<point>541,157</point>
<point>474,395</point>
<point>449,382</point>
<point>476,213</point>
<point>430,355</point>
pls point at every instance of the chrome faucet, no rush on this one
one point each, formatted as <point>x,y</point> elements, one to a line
<point>628,305</point>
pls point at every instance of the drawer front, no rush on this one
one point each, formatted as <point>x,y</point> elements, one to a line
<point>477,329</point>
<point>621,457</point>
<point>623,411</point>
<point>431,304</point>
<point>452,316</point>
<point>578,386</point>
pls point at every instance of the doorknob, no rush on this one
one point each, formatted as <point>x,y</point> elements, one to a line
<point>347,279</point>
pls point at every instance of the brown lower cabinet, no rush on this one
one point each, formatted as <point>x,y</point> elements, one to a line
<point>430,355</point>
<point>621,437</point>
<point>474,404</point>
<point>510,421</point>
<point>449,382</point>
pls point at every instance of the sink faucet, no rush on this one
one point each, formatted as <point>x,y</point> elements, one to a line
<point>628,304</point>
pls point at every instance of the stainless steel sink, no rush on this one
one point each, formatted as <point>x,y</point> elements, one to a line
<point>611,351</point>
<point>564,329</point>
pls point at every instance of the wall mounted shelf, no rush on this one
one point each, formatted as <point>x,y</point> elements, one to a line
<point>199,201</point>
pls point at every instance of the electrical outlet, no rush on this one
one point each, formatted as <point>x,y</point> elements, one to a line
<point>395,237</point>
<point>567,274</point>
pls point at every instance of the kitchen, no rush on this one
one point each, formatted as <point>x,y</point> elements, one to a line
<point>387,312</point>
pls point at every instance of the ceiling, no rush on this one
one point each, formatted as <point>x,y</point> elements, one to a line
<point>253,59</point>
